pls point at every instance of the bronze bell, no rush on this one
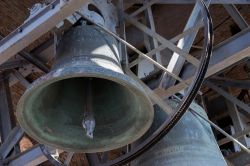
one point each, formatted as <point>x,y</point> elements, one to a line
<point>85,103</point>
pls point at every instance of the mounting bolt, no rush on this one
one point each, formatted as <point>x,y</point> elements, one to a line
<point>52,6</point>
<point>19,30</point>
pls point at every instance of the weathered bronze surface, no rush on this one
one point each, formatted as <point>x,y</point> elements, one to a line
<point>190,143</point>
<point>52,109</point>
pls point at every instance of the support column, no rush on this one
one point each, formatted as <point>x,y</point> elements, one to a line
<point>237,122</point>
<point>6,111</point>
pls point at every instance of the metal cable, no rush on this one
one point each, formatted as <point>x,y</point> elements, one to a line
<point>134,49</point>
<point>221,130</point>
<point>186,101</point>
<point>195,113</point>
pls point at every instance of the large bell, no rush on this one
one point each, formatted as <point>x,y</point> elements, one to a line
<point>86,103</point>
<point>190,143</point>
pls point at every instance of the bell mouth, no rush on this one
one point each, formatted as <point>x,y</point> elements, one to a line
<point>52,110</point>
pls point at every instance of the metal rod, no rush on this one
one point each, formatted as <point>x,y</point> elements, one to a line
<point>145,6</point>
<point>228,96</point>
<point>32,59</point>
<point>133,48</point>
<point>217,128</point>
<point>184,104</point>
<point>173,40</point>
<point>69,158</point>
<point>222,131</point>
<point>13,138</point>
<point>88,121</point>
<point>177,62</point>
<point>236,16</point>
<point>194,61</point>
<point>21,78</point>
<point>236,135</point>
<point>36,26</point>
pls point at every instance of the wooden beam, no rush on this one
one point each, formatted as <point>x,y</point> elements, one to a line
<point>227,82</point>
<point>228,96</point>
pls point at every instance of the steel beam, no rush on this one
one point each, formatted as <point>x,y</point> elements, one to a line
<point>235,14</point>
<point>153,42</point>
<point>13,138</point>
<point>163,46</point>
<point>6,111</point>
<point>145,67</point>
<point>225,55</point>
<point>36,26</point>
<point>228,96</point>
<point>236,135</point>
<point>176,62</point>
<point>122,31</point>
<point>34,60</point>
<point>68,158</point>
<point>21,78</point>
<point>162,40</point>
<point>239,159</point>
<point>237,121</point>
<point>13,64</point>
<point>44,46</point>
<point>31,157</point>
<point>25,71</point>
<point>53,158</point>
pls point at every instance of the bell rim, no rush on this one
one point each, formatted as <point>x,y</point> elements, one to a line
<point>66,73</point>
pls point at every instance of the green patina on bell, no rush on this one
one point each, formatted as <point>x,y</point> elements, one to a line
<point>86,75</point>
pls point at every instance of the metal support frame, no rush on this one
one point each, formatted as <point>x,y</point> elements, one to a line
<point>228,96</point>
<point>68,158</point>
<point>6,112</point>
<point>122,31</point>
<point>239,158</point>
<point>30,58</point>
<point>13,138</point>
<point>55,13</point>
<point>176,62</point>
<point>33,156</point>
<point>13,64</point>
<point>153,42</point>
<point>36,26</point>
<point>235,14</point>
<point>21,78</point>
<point>162,40</point>
<point>150,44</point>
<point>225,55</point>
<point>237,121</point>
